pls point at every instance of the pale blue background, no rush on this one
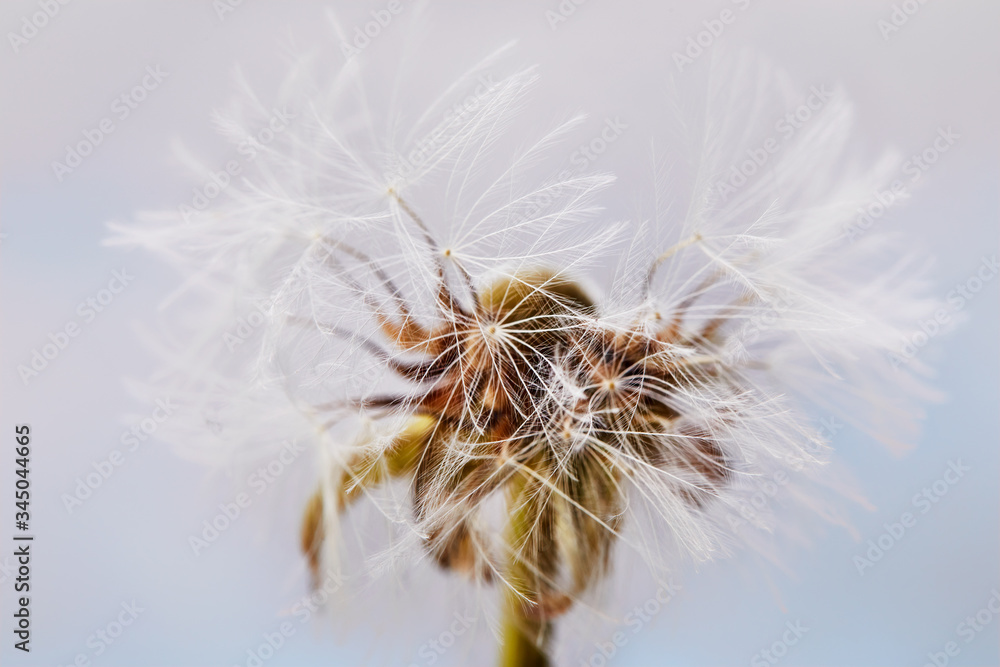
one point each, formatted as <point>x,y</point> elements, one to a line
<point>129,540</point>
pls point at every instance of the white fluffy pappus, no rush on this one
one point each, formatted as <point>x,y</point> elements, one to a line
<point>525,391</point>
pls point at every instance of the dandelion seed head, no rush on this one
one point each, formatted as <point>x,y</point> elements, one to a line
<point>431,326</point>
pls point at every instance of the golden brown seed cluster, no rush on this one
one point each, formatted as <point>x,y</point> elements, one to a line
<point>525,398</point>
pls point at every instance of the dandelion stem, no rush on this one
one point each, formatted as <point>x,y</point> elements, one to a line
<point>520,648</point>
<point>526,632</point>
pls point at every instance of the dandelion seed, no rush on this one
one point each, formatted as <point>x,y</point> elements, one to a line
<point>442,293</point>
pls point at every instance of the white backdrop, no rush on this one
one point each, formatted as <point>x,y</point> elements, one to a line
<point>173,62</point>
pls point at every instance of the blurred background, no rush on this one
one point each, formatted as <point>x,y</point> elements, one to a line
<point>158,69</point>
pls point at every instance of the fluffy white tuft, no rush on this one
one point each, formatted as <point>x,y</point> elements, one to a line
<point>755,298</point>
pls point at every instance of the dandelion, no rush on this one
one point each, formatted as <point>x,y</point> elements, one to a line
<point>529,413</point>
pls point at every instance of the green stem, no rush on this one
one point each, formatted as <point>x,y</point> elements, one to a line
<point>525,637</point>
<point>524,640</point>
